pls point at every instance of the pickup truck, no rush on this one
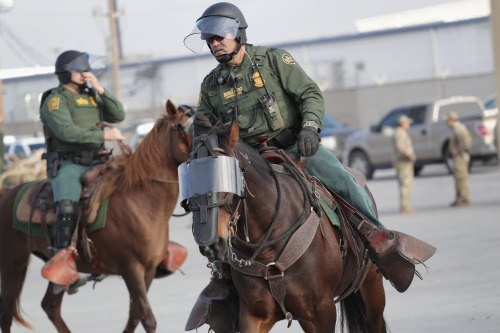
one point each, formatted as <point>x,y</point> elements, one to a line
<point>367,151</point>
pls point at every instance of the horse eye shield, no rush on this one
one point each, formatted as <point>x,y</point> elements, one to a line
<point>208,174</point>
<point>201,180</point>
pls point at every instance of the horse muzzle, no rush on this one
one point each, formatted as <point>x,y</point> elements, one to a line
<point>215,252</point>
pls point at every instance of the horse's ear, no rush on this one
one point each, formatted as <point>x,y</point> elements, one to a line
<point>185,139</point>
<point>234,136</point>
<point>171,109</point>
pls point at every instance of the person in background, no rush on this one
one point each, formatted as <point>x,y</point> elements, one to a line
<point>459,144</point>
<point>69,114</point>
<point>404,162</point>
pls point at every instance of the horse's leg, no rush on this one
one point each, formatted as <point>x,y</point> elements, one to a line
<point>51,304</point>
<point>140,310</point>
<point>252,323</point>
<point>372,291</point>
<point>307,327</point>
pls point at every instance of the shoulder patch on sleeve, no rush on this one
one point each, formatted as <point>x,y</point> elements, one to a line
<point>53,103</point>
<point>287,59</point>
<point>199,99</point>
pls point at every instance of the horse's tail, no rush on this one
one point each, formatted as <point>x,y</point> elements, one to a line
<point>17,316</point>
<point>17,306</point>
<point>17,300</point>
<point>353,314</point>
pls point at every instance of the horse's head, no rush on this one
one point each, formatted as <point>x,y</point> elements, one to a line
<point>157,155</point>
<point>211,185</point>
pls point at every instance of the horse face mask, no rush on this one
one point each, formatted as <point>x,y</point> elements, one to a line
<point>201,179</point>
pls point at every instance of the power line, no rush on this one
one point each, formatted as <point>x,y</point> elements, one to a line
<point>22,49</point>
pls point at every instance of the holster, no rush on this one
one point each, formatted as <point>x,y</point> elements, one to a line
<point>396,255</point>
<point>53,163</point>
<point>217,306</point>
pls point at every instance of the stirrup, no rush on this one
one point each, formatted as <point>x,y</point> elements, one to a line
<point>73,289</point>
<point>396,255</point>
<point>61,268</point>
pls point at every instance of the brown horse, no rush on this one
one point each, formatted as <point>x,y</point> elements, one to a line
<point>142,188</point>
<point>279,283</point>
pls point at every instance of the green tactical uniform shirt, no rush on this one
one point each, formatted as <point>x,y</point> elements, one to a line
<point>69,124</point>
<point>299,100</point>
<point>298,97</point>
<point>69,119</point>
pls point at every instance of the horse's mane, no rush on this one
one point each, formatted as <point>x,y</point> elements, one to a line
<point>143,166</point>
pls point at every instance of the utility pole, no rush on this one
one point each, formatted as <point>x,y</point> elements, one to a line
<point>114,48</point>
<point>495,34</point>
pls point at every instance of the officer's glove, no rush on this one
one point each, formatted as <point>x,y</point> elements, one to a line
<point>308,141</point>
<point>203,123</point>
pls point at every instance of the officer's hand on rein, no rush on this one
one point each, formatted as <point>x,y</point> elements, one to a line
<point>113,134</point>
<point>202,124</point>
<point>308,141</point>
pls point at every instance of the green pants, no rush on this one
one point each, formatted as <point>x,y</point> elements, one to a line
<point>68,182</point>
<point>327,168</point>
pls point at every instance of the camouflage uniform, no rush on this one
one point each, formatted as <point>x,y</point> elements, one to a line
<point>460,142</point>
<point>404,160</point>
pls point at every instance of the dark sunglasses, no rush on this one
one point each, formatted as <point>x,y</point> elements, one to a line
<point>215,37</point>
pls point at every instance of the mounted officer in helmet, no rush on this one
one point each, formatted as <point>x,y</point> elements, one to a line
<point>270,96</point>
<point>70,113</point>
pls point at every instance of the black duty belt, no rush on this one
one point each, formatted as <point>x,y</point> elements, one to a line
<point>283,140</point>
<point>85,157</point>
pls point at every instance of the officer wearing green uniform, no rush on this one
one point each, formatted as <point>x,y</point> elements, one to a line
<point>70,114</point>
<point>460,142</point>
<point>271,98</point>
<point>270,95</point>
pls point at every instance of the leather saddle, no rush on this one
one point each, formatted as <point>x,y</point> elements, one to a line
<point>37,203</point>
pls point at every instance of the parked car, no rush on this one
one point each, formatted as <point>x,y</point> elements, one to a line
<point>490,103</point>
<point>333,135</point>
<point>367,151</point>
<point>23,147</point>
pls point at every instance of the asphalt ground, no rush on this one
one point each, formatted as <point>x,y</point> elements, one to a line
<point>459,293</point>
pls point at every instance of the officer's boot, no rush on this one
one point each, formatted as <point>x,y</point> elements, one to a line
<point>218,303</point>
<point>67,213</point>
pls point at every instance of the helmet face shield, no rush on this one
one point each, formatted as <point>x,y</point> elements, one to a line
<point>208,27</point>
<point>87,63</point>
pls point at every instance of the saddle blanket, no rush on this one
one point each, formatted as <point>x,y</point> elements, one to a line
<point>36,228</point>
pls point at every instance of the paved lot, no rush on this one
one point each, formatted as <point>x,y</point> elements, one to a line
<point>458,294</point>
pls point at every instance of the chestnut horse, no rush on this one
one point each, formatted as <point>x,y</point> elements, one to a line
<point>143,189</point>
<point>312,282</point>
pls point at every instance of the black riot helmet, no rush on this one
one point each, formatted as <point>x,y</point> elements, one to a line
<point>221,19</point>
<point>69,61</point>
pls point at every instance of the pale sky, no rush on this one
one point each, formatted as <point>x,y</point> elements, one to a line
<point>35,31</point>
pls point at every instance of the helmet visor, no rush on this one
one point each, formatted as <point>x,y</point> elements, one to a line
<point>87,63</point>
<point>208,27</point>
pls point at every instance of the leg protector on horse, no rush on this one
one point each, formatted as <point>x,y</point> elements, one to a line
<point>396,255</point>
<point>67,212</point>
<point>217,306</point>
